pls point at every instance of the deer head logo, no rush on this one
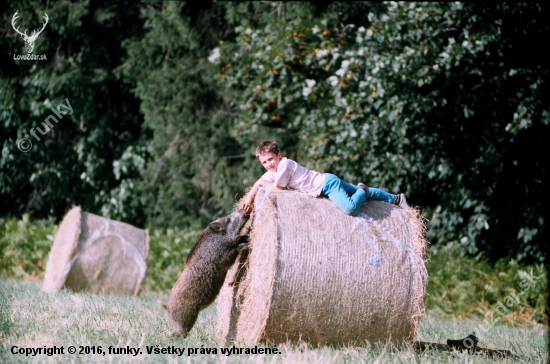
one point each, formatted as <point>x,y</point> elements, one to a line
<point>29,39</point>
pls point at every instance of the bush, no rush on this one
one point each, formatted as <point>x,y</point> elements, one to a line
<point>24,246</point>
<point>94,156</point>
<point>167,254</point>
<point>463,286</point>
<point>442,101</point>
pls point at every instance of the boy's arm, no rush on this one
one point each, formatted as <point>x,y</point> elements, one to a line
<point>249,197</point>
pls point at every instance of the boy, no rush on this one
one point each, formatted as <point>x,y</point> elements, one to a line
<point>285,173</point>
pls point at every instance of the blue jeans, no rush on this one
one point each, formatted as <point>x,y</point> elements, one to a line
<point>348,197</point>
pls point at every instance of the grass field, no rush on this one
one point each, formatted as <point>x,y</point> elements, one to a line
<point>462,291</point>
<point>30,318</point>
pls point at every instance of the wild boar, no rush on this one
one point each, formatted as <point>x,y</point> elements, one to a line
<point>205,269</point>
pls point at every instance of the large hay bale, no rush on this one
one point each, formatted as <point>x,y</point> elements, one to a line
<point>317,275</point>
<point>96,254</point>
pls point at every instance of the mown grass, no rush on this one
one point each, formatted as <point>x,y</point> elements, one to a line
<point>31,318</point>
<point>462,293</point>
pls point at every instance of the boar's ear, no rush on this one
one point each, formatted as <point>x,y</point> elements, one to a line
<point>217,226</point>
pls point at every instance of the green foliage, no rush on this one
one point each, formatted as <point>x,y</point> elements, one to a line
<point>189,181</point>
<point>167,254</point>
<point>459,285</point>
<point>431,99</point>
<point>24,246</point>
<point>442,101</point>
<point>92,157</point>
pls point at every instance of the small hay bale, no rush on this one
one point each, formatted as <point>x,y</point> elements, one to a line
<point>317,275</point>
<point>96,254</point>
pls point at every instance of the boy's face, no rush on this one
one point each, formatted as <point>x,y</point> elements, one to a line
<point>270,161</point>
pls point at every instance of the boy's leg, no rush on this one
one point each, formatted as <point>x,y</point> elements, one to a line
<point>376,193</point>
<point>347,197</point>
<point>355,195</point>
<point>380,195</point>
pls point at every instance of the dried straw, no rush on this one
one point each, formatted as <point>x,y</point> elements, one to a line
<point>96,254</point>
<point>315,274</point>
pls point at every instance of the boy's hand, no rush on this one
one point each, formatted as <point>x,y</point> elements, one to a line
<point>246,205</point>
<point>249,197</point>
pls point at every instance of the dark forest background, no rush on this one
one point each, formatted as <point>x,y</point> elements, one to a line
<point>446,102</point>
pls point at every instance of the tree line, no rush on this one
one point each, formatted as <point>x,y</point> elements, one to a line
<point>446,102</point>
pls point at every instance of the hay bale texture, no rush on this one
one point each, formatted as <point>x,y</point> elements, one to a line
<point>96,254</point>
<point>316,275</point>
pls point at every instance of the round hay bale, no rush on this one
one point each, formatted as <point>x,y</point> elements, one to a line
<point>315,274</point>
<point>96,254</point>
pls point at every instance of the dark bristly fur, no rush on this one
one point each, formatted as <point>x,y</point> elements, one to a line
<point>205,269</point>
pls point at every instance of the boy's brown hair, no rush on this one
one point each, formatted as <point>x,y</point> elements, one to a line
<point>267,146</point>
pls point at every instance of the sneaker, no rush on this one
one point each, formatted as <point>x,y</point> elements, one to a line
<point>400,200</point>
